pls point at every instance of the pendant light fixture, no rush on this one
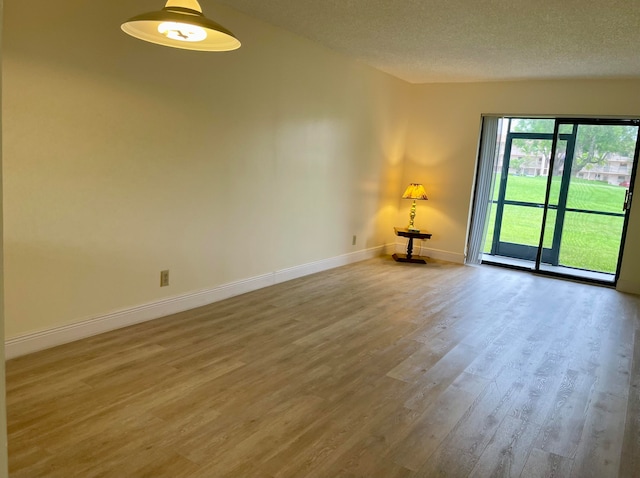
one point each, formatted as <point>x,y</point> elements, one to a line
<point>181,24</point>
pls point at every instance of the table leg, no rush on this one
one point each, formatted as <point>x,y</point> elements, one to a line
<point>410,248</point>
<point>408,257</point>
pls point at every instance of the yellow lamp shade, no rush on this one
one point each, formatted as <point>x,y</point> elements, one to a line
<point>415,191</point>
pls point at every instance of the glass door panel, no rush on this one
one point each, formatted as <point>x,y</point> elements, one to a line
<point>591,242</point>
<point>585,208</point>
<point>524,226</point>
<point>528,166</point>
<point>520,200</point>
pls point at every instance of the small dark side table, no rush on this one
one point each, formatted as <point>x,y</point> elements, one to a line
<point>409,257</point>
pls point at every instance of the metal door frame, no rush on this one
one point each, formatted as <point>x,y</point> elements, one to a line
<point>520,251</point>
<point>576,122</point>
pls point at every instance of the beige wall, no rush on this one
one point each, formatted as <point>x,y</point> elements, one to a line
<point>4,470</point>
<point>123,158</point>
<point>442,146</point>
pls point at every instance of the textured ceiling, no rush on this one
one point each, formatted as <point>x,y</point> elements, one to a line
<point>425,41</point>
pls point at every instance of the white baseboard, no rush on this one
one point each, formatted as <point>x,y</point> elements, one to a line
<point>401,248</point>
<point>628,286</point>
<point>33,342</point>
<point>291,273</point>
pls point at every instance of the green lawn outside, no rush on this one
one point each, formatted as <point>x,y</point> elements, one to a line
<point>589,241</point>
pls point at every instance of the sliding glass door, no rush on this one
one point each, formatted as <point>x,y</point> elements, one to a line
<point>561,196</point>
<point>588,197</point>
<point>522,190</point>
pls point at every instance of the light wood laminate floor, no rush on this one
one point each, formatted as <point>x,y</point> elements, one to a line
<point>377,369</point>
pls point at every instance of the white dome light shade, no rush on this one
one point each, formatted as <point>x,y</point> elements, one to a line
<point>181,24</point>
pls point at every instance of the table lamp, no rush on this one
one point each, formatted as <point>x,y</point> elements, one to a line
<point>414,191</point>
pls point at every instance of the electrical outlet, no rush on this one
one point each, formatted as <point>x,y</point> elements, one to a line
<point>164,278</point>
<point>353,241</point>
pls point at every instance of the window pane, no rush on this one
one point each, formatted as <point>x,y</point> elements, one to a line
<point>521,225</point>
<point>532,125</point>
<point>565,129</point>
<point>591,241</point>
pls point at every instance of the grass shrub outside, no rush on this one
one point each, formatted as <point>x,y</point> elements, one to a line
<point>589,241</point>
